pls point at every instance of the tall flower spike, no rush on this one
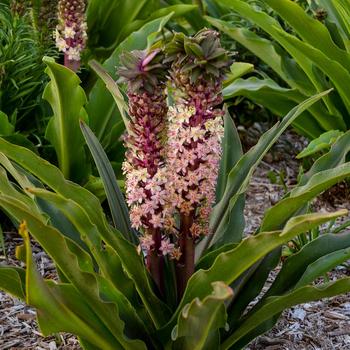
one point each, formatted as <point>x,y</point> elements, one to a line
<point>70,31</point>
<point>144,165</point>
<point>194,136</point>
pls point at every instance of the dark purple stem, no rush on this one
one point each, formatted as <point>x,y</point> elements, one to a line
<point>185,266</point>
<point>155,260</point>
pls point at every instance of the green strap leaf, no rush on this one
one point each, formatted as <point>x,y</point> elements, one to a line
<point>67,99</point>
<point>335,157</point>
<point>295,266</point>
<point>53,312</point>
<point>52,177</point>
<point>132,262</point>
<point>199,321</point>
<point>228,266</point>
<point>306,56</point>
<point>12,280</point>
<point>323,142</point>
<point>270,53</point>
<point>275,305</point>
<point>312,122</point>
<point>117,205</point>
<point>323,265</point>
<point>68,258</point>
<point>239,176</point>
<point>277,215</point>
<point>309,28</point>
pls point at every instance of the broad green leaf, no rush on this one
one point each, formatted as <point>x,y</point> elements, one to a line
<point>228,266</point>
<point>275,305</point>
<point>53,312</point>
<point>113,88</point>
<point>208,259</point>
<point>42,209</point>
<point>323,142</point>
<point>338,13</point>
<point>338,74</point>
<point>116,201</point>
<point>67,100</point>
<point>105,258</point>
<point>322,265</point>
<point>237,70</point>
<point>309,28</point>
<point>277,215</point>
<point>12,280</point>
<point>200,320</point>
<point>176,10</point>
<point>336,156</point>
<point>132,262</point>
<point>270,53</point>
<point>49,175</point>
<point>53,178</point>
<point>6,128</point>
<point>68,257</point>
<point>295,265</point>
<point>239,176</point>
<point>306,56</point>
<point>251,287</point>
<point>232,152</point>
<point>280,101</point>
<point>107,18</point>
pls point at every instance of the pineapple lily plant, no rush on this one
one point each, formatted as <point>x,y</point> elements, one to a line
<point>175,272</point>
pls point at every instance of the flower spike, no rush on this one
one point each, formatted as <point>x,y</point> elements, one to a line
<point>70,31</point>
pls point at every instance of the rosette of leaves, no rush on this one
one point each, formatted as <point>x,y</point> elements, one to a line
<point>104,294</point>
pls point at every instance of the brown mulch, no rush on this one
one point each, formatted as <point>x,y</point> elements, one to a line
<point>318,325</point>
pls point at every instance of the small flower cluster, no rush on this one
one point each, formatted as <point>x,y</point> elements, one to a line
<point>70,32</point>
<point>193,156</point>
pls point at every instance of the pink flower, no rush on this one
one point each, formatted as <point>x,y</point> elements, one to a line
<point>166,247</point>
<point>146,242</point>
<point>156,221</point>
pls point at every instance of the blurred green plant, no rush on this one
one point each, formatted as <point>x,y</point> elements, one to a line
<point>105,295</point>
<point>111,21</point>
<point>308,53</point>
<point>21,70</point>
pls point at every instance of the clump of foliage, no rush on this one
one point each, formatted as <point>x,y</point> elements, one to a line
<point>21,70</point>
<point>308,51</point>
<point>175,272</point>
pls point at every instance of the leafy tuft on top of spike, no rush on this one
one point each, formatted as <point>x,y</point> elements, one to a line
<point>142,70</point>
<point>200,55</point>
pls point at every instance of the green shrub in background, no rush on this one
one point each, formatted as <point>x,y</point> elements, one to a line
<point>306,54</point>
<point>21,70</point>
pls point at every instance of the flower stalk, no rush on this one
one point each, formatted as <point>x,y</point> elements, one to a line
<point>173,155</point>
<point>144,165</point>
<point>194,138</point>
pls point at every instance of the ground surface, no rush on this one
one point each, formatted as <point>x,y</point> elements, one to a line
<point>319,325</point>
